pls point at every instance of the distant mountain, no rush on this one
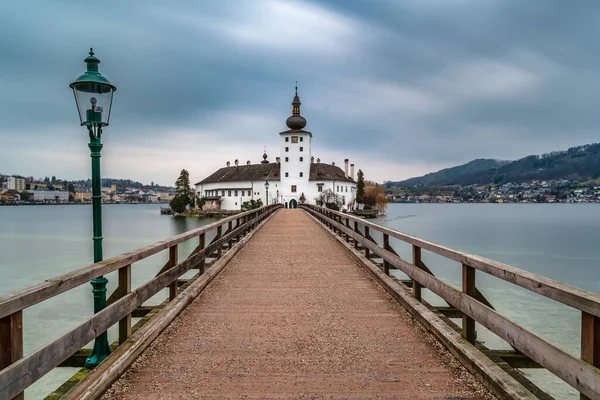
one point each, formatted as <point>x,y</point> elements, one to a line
<point>471,171</point>
<point>577,163</point>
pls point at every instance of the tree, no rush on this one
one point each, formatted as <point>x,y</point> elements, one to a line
<point>183,193</point>
<point>251,204</point>
<point>360,187</point>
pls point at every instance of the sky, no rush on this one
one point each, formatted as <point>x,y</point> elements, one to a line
<point>401,88</point>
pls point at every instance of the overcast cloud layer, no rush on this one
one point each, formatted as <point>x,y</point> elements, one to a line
<point>401,88</point>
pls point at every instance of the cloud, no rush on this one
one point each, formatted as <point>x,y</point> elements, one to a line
<point>401,87</point>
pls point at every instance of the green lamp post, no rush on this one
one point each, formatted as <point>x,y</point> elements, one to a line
<point>267,192</point>
<point>93,96</point>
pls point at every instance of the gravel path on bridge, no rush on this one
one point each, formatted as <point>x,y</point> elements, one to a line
<point>294,316</point>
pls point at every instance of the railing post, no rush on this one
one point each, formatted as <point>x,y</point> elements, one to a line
<point>172,263</point>
<point>367,251</point>
<point>11,342</point>
<point>590,341</point>
<point>219,236</point>
<point>347,226</point>
<point>237,225</point>
<point>125,287</point>
<point>358,232</point>
<point>202,246</point>
<point>230,226</point>
<point>468,284</point>
<point>386,246</point>
<point>416,252</point>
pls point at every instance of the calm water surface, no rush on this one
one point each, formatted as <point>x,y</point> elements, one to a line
<point>41,242</point>
<point>559,241</point>
<point>556,240</point>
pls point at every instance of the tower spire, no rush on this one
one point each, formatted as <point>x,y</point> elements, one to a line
<point>296,121</point>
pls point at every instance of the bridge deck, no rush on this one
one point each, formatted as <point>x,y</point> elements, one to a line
<point>293,315</point>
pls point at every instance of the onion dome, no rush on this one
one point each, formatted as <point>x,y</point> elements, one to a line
<point>296,121</point>
<point>265,161</point>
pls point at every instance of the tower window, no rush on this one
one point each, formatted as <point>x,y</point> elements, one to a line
<point>301,148</point>
<point>301,159</point>
<point>287,159</point>
<point>301,139</point>
<point>293,188</point>
<point>287,139</point>
<point>301,174</point>
<point>287,149</point>
<point>286,174</point>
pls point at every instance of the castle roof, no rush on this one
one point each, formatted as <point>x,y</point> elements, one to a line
<point>327,172</point>
<point>270,172</point>
<point>252,172</point>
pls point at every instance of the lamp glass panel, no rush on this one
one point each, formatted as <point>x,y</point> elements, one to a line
<point>93,102</point>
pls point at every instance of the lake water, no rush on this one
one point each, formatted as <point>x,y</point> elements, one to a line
<point>555,240</point>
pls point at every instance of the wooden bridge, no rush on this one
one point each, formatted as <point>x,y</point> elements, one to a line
<point>299,304</point>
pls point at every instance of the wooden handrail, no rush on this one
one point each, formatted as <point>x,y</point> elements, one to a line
<point>572,296</point>
<point>18,374</point>
<point>582,374</point>
<point>29,296</point>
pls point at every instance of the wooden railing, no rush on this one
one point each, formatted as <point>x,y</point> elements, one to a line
<point>18,372</point>
<point>580,373</point>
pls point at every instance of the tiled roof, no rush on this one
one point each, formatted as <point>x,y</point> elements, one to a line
<point>270,172</point>
<point>253,172</point>
<point>327,172</point>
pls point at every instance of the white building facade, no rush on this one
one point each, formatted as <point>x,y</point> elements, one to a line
<point>294,178</point>
<point>15,183</point>
<point>55,196</point>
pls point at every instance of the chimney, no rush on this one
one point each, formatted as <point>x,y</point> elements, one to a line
<point>346,167</point>
<point>312,160</point>
<point>248,162</point>
<point>318,160</point>
<point>236,162</point>
<point>228,163</point>
<point>352,171</point>
<point>277,160</point>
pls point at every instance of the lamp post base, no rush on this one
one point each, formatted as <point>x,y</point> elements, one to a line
<point>101,347</point>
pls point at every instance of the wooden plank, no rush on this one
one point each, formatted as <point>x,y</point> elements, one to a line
<point>219,236</point>
<point>572,296</point>
<point>513,358</point>
<point>449,312</point>
<point>24,298</point>
<point>357,231</point>
<point>173,256</point>
<point>11,344</point>
<point>580,375</point>
<point>142,311</point>
<point>125,284</point>
<point>590,341</point>
<point>367,251</point>
<point>468,286</point>
<point>386,245</point>
<point>416,254</point>
<point>201,244</point>
<point>102,377</point>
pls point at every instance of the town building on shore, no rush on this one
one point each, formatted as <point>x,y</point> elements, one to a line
<point>15,183</point>
<point>293,178</point>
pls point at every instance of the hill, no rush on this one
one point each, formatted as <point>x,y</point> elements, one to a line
<point>471,171</point>
<point>579,163</point>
